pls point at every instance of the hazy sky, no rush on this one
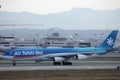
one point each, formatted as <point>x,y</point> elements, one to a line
<point>56,6</point>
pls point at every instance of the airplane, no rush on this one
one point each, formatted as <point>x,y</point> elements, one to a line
<point>60,56</point>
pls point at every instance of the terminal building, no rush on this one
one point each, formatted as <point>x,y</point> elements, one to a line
<point>55,37</point>
<point>10,41</point>
<point>6,40</point>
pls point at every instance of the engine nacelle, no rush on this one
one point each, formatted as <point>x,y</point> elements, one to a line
<point>59,59</point>
<point>79,56</point>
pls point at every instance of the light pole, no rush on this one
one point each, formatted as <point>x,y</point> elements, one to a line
<point>102,36</point>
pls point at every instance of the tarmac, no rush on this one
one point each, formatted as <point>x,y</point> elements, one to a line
<point>47,65</point>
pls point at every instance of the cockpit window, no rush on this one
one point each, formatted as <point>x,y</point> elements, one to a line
<point>8,52</point>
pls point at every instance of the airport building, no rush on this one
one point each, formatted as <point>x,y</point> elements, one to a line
<point>6,40</point>
<point>55,37</point>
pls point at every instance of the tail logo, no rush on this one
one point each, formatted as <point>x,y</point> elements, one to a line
<point>110,41</point>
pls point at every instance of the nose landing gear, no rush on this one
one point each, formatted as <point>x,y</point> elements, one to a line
<point>14,64</point>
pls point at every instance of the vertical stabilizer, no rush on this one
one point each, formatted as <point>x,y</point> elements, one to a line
<point>109,42</point>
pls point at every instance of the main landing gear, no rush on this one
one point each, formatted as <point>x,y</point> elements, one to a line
<point>63,63</point>
<point>57,63</point>
<point>67,63</point>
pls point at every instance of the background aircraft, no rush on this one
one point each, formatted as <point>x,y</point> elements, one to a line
<point>60,55</point>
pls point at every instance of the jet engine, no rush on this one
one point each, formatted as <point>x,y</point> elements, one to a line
<point>58,59</point>
<point>79,56</point>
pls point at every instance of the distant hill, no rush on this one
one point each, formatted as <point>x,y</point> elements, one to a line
<point>78,17</point>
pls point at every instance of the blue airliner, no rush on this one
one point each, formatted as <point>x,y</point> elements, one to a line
<point>60,56</point>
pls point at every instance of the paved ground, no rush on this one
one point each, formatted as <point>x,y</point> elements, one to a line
<point>47,65</point>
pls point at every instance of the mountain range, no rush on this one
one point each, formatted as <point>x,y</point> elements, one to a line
<point>77,18</point>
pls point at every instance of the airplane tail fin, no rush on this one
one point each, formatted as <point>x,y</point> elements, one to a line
<point>109,42</point>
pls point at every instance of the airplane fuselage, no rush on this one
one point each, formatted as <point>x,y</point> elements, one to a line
<point>43,53</point>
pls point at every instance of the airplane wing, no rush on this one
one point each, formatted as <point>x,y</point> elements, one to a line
<point>66,57</point>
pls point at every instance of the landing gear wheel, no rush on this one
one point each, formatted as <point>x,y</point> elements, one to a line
<point>67,63</point>
<point>14,64</point>
<point>57,63</point>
